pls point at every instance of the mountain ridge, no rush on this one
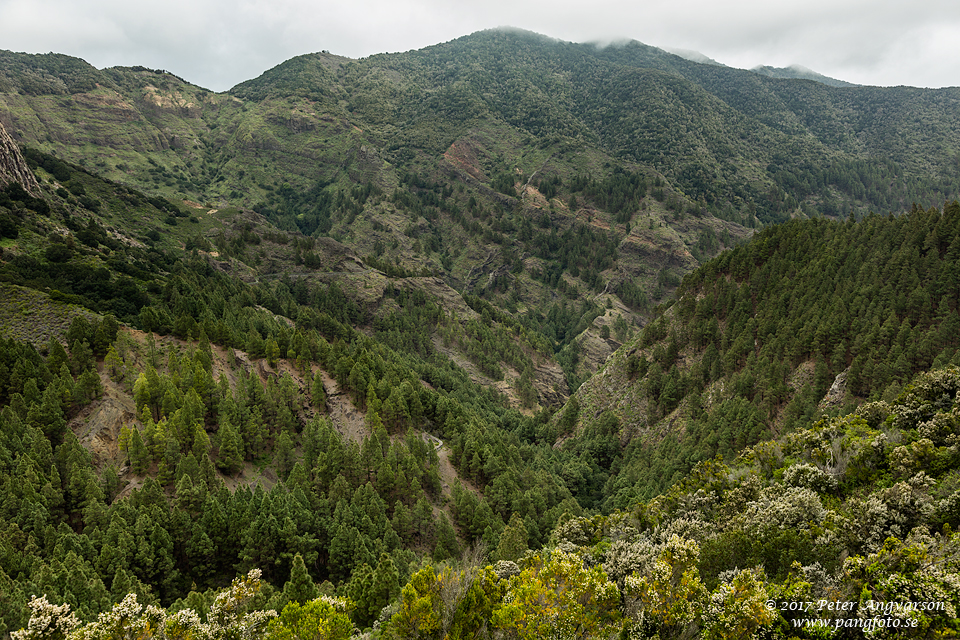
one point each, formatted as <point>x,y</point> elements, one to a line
<point>389,270</point>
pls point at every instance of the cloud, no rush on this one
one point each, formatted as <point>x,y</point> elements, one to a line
<point>218,43</point>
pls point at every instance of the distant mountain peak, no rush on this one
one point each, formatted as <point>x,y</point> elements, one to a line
<point>799,72</point>
<point>694,56</point>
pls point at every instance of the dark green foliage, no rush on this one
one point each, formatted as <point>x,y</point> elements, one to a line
<point>9,226</point>
<point>300,587</point>
<point>831,298</point>
<point>12,195</point>
<point>875,298</point>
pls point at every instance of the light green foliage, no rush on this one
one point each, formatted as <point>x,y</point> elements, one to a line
<point>738,609</point>
<point>557,597</point>
<point>323,618</point>
<point>419,612</point>
<point>513,540</point>
<point>902,573</point>
<point>449,603</point>
<point>300,588</point>
<point>671,593</point>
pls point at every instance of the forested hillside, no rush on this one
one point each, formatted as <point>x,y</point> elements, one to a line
<point>131,452</point>
<point>547,178</point>
<point>809,316</point>
<point>238,426</point>
<point>316,357</point>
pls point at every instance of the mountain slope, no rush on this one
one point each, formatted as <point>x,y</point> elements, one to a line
<point>494,124</point>
<point>129,470</point>
<point>421,101</point>
<point>290,412</point>
<point>13,168</point>
<point>809,316</point>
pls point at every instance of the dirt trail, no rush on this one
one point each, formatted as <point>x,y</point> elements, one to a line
<point>448,475</point>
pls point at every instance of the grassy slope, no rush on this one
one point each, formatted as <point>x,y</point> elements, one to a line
<point>725,141</point>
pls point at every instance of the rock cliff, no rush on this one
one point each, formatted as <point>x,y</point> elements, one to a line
<point>13,168</point>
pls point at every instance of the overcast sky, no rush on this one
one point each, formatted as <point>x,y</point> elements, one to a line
<point>219,43</point>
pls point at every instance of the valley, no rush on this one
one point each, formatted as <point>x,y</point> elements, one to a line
<point>689,336</point>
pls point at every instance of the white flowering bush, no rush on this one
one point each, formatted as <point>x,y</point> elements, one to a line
<point>228,615</point>
<point>736,499</point>
<point>874,413</point>
<point>737,609</point>
<point>907,460</point>
<point>688,527</point>
<point>699,505</point>
<point>577,531</point>
<point>823,585</point>
<point>229,619</point>
<point>902,585</point>
<point>943,428</point>
<point>811,477</point>
<point>620,526</point>
<point>947,510</point>
<point>892,512</point>
<point>626,557</point>
<point>128,620</point>
<point>506,569</point>
<point>780,508</point>
<point>47,621</point>
<point>669,596</point>
<point>930,393</point>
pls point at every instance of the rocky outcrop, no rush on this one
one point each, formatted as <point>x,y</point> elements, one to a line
<point>13,168</point>
<point>838,391</point>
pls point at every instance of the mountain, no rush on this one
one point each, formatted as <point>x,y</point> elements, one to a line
<point>799,72</point>
<point>142,359</point>
<point>480,159</point>
<point>324,346</point>
<point>809,317</point>
<point>694,56</point>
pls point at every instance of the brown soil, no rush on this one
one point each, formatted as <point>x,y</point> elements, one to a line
<point>463,156</point>
<point>97,427</point>
<point>346,419</point>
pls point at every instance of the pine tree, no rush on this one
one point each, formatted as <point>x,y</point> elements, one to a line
<point>513,540</point>
<point>384,587</point>
<point>114,364</point>
<point>300,587</point>
<point>139,456</point>
<point>447,545</point>
<point>272,351</point>
<point>48,415</point>
<point>230,455</point>
<point>81,357</point>
<point>283,455</point>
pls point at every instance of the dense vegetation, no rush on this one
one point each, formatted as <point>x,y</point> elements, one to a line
<point>859,509</point>
<point>155,517</point>
<point>515,167</point>
<point>345,408</point>
<point>357,518</point>
<point>758,336</point>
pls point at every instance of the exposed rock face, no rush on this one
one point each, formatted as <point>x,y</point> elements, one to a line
<point>13,168</point>
<point>837,392</point>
